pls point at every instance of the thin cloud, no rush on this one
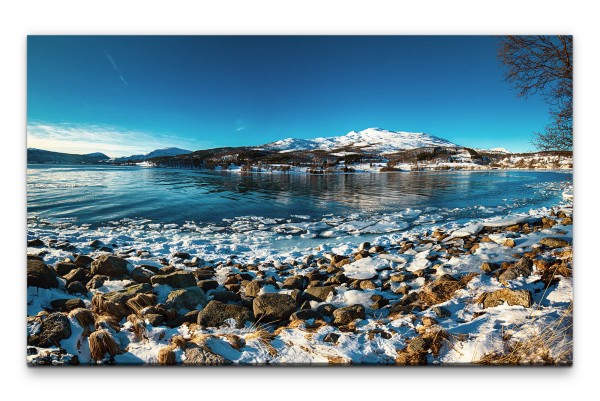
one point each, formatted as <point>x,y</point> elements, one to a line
<point>115,67</point>
<point>89,138</point>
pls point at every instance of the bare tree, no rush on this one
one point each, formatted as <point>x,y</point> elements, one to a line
<point>544,65</point>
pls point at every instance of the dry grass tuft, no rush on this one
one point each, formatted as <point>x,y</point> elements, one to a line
<point>141,301</point>
<point>166,356</point>
<point>101,342</point>
<point>265,337</point>
<point>235,341</point>
<point>85,318</point>
<point>137,326</point>
<point>551,344</point>
<point>103,305</point>
<point>442,290</point>
<point>107,322</point>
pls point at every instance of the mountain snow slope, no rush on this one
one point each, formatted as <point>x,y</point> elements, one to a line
<point>374,140</point>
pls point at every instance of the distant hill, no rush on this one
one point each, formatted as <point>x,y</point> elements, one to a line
<point>39,156</point>
<point>166,152</point>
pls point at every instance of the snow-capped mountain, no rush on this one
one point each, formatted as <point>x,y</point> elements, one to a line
<point>374,140</point>
<point>154,153</point>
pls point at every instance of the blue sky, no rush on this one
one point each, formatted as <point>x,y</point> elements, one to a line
<point>122,95</point>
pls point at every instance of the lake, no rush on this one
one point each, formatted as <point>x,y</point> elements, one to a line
<point>96,195</point>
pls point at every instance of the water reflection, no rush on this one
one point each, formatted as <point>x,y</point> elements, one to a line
<point>95,194</point>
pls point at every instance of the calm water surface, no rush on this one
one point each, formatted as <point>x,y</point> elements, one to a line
<point>97,194</point>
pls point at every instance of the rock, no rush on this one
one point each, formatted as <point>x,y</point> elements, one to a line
<point>83,260</point>
<point>379,302</point>
<point>326,309</point>
<point>510,243</point>
<point>63,268</point>
<point>226,296</point>
<point>110,266</point>
<point>178,279</point>
<point>367,285</point>
<point>348,314</point>
<point>306,314</point>
<point>567,221</point>
<point>488,267</point>
<point>96,282</point>
<point>207,285</point>
<point>376,249</point>
<point>552,242</point>
<point>141,275</point>
<point>512,297</point>
<point>154,319</point>
<point>188,298</point>
<point>115,302</point>
<point>402,277</point>
<point>215,314</point>
<point>319,294</point>
<point>200,356</point>
<point>39,275</point>
<point>53,328</point>
<point>76,287</point>
<point>76,275</point>
<point>271,308</point>
<point>295,282</point>
<point>364,246</point>
<point>53,357</point>
<point>441,312</point>
<point>332,337</point>
<point>35,242</point>
<point>419,345</point>
<point>190,317</point>
<point>67,305</point>
<point>253,288</point>
<point>428,321</point>
<point>181,255</point>
<point>523,267</point>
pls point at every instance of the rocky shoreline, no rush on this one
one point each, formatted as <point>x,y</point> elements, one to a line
<point>486,293</point>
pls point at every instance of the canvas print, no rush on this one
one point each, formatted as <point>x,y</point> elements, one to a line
<point>299,200</point>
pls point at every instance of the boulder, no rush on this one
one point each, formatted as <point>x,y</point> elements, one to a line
<point>110,266</point>
<point>326,309</point>
<point>77,274</point>
<point>295,282</point>
<point>141,275</point>
<point>181,255</point>
<point>35,242</point>
<point>115,302</point>
<point>76,287</point>
<point>441,312</point>
<point>68,304</point>
<point>201,356</point>
<point>63,268</point>
<point>188,298</point>
<point>271,308</point>
<point>348,314</point>
<point>523,267</point>
<point>96,282</point>
<point>306,314</point>
<point>332,337</point>
<point>552,242</point>
<point>53,328</point>
<point>207,285</point>
<point>512,297</point>
<point>39,275</point>
<point>319,294</point>
<point>488,267</point>
<point>177,279</point>
<point>216,313</point>
<point>83,260</point>
<point>226,296</point>
<point>253,288</point>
